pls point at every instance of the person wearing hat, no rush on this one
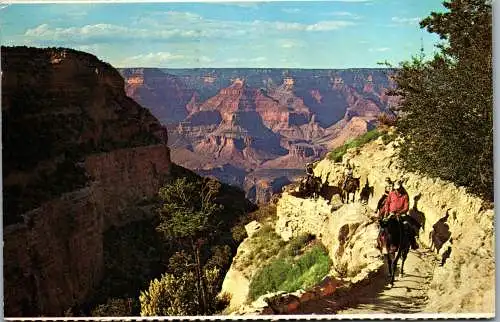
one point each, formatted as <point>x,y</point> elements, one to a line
<point>381,202</point>
<point>397,204</point>
<point>380,207</point>
<point>348,172</point>
<point>309,169</point>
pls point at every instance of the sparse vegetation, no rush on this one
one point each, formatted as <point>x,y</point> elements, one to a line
<point>386,120</point>
<point>337,154</point>
<point>136,254</point>
<point>289,274</point>
<point>265,244</point>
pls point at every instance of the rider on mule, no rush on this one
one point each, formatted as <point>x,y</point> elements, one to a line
<point>380,212</point>
<point>309,169</point>
<point>348,172</point>
<point>397,204</point>
<point>380,205</point>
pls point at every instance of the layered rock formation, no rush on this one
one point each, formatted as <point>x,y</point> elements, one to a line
<point>79,155</point>
<point>167,96</point>
<point>253,119</point>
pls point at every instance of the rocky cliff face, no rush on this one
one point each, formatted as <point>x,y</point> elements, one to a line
<point>460,224</point>
<point>167,96</point>
<point>270,119</point>
<point>78,157</point>
<point>457,226</point>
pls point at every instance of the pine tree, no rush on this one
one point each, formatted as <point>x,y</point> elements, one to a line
<point>190,217</point>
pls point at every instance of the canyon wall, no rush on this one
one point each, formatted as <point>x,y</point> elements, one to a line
<point>54,259</point>
<point>79,157</point>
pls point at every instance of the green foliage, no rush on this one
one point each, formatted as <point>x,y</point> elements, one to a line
<point>114,307</point>
<point>388,137</point>
<point>177,295</point>
<point>265,244</point>
<point>189,210</point>
<point>288,275</point>
<point>447,110</point>
<point>192,217</point>
<point>221,257</point>
<point>239,233</point>
<point>264,213</point>
<point>337,154</point>
<point>295,245</point>
<point>170,295</point>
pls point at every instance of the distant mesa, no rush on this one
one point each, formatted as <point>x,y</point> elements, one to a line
<point>136,80</point>
<point>209,79</point>
<point>259,119</point>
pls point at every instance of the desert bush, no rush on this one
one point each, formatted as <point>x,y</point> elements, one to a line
<point>388,137</point>
<point>337,154</point>
<point>114,307</point>
<point>288,274</point>
<point>177,295</point>
<point>238,233</point>
<point>265,212</point>
<point>386,120</point>
<point>295,245</point>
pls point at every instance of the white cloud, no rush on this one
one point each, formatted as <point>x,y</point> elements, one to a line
<point>402,20</point>
<point>341,13</point>
<point>105,32</point>
<point>290,43</point>
<point>350,0</point>
<point>319,26</point>
<point>173,24</point>
<point>329,25</point>
<point>291,10</point>
<point>345,14</point>
<point>205,59</point>
<point>92,48</point>
<point>151,59</point>
<point>380,49</point>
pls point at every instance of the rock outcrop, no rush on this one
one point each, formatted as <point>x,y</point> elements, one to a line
<point>79,156</point>
<point>348,233</point>
<point>458,226</point>
<point>465,282</point>
<point>253,119</point>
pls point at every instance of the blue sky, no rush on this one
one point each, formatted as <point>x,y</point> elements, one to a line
<point>277,34</point>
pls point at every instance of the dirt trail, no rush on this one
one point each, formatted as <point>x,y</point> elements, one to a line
<point>408,295</point>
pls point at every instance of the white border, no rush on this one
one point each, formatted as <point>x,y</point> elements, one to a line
<point>374,316</point>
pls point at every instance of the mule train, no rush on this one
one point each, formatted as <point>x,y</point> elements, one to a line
<point>312,187</point>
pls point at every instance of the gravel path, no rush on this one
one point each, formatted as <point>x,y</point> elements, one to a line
<point>408,295</point>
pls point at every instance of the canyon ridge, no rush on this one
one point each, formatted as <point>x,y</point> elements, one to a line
<point>258,128</point>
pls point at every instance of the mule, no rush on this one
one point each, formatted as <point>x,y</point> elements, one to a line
<point>327,192</point>
<point>365,193</point>
<point>395,241</point>
<point>313,186</point>
<point>351,186</point>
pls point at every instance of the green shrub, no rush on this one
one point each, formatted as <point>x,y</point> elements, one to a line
<point>294,247</point>
<point>114,307</point>
<point>238,233</point>
<point>387,138</point>
<point>337,154</point>
<point>447,110</point>
<point>288,275</point>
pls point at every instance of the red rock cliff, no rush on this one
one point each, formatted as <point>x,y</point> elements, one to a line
<point>74,107</point>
